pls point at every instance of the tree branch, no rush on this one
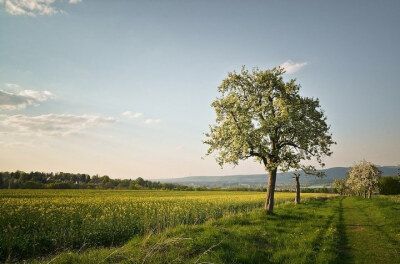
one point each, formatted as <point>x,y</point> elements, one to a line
<point>251,152</point>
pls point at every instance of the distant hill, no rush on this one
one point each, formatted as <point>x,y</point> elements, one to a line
<point>283,179</point>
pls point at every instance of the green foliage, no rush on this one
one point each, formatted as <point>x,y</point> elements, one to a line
<point>32,185</point>
<point>389,185</point>
<point>61,180</point>
<point>340,186</point>
<point>317,190</point>
<point>261,116</point>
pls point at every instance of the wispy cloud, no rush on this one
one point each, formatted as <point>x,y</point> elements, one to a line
<point>22,99</point>
<point>53,124</point>
<point>151,121</point>
<point>291,67</point>
<point>33,7</point>
<point>129,114</point>
<point>179,148</point>
<point>12,85</point>
<point>16,143</point>
<point>148,121</point>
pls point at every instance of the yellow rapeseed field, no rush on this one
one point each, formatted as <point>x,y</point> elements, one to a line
<point>39,222</point>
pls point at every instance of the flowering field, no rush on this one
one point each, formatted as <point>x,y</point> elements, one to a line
<point>39,222</point>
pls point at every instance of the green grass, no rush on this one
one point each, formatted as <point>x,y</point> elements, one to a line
<point>372,230</point>
<point>335,230</point>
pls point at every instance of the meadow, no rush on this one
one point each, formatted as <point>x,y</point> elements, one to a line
<point>44,222</point>
<point>340,230</point>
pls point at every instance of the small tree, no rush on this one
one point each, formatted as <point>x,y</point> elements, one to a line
<point>296,178</point>
<point>307,170</point>
<point>261,116</point>
<point>340,186</point>
<point>364,178</point>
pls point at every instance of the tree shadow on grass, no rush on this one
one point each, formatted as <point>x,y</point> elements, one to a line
<point>317,242</point>
<point>342,249</point>
<point>304,213</point>
<point>343,252</point>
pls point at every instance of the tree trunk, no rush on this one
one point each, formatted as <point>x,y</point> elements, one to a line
<point>269,203</point>
<point>296,178</point>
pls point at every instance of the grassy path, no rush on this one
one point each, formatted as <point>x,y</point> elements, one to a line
<point>370,230</point>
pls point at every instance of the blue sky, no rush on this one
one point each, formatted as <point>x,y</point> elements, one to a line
<point>124,88</point>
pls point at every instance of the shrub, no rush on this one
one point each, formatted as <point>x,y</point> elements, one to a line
<point>389,185</point>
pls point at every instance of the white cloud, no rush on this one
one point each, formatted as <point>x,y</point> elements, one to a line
<point>52,124</point>
<point>33,7</point>
<point>148,121</point>
<point>129,114</point>
<point>22,99</point>
<point>12,85</point>
<point>291,67</point>
<point>152,121</point>
<point>30,7</point>
<point>35,95</point>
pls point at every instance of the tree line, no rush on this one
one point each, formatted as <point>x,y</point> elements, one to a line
<point>62,180</point>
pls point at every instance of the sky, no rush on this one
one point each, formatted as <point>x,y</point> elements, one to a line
<point>123,88</point>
